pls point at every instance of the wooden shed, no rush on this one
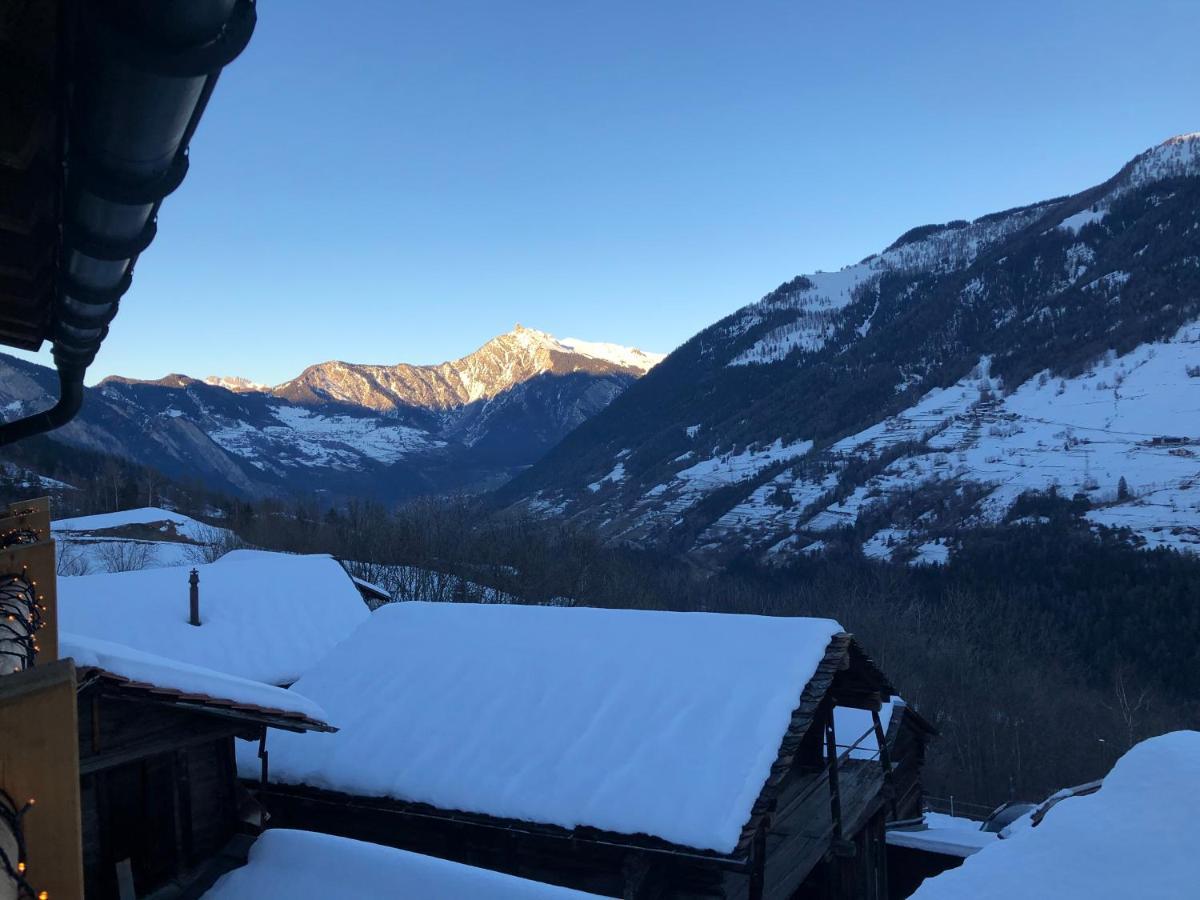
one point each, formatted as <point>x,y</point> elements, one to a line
<point>159,793</point>
<point>812,826</point>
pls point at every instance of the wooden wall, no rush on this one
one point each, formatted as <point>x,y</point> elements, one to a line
<point>605,870</point>
<point>38,760</point>
<point>158,786</point>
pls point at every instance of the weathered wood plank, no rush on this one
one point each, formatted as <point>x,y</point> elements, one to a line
<point>39,760</point>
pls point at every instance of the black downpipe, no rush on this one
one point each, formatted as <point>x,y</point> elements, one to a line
<point>141,76</point>
<point>70,399</point>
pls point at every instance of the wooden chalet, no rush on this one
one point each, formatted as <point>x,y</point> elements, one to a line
<point>815,830</point>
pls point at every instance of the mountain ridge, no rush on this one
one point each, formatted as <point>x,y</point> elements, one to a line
<point>347,430</point>
<point>741,424</point>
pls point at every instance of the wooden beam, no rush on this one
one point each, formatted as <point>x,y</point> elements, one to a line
<point>39,759</point>
<point>117,756</point>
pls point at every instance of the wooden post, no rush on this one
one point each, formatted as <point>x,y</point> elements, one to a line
<point>835,796</point>
<point>194,598</point>
<point>885,760</point>
<point>39,760</point>
<point>758,863</point>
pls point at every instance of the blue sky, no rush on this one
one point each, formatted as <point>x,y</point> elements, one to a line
<point>380,181</point>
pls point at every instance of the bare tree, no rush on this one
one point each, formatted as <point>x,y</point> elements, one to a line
<point>212,544</point>
<point>125,556</point>
<point>1129,703</point>
<point>72,560</point>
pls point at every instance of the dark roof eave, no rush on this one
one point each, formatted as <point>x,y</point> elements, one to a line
<point>247,712</point>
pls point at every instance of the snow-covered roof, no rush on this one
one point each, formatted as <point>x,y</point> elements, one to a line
<point>637,722</point>
<point>304,864</point>
<point>1134,837</point>
<point>188,682</point>
<point>264,616</point>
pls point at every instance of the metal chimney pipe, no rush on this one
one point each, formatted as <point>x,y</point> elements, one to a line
<point>194,598</point>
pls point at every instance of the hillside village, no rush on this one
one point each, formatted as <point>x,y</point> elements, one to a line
<point>412,743</point>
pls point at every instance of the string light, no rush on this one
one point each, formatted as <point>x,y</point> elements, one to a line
<point>21,616</point>
<point>10,822</point>
<point>19,537</point>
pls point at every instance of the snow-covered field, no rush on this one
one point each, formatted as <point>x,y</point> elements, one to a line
<point>1134,418</point>
<point>307,438</point>
<point>145,538</point>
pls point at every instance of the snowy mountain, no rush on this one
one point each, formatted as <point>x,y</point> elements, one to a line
<point>349,429</point>
<point>1052,347</point>
<point>236,384</point>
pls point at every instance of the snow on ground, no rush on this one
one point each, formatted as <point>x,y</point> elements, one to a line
<point>729,468</point>
<point>266,617</point>
<point>766,503</point>
<point>165,520</point>
<point>616,476</point>
<point>1074,223</point>
<point>326,441</point>
<point>237,384</point>
<point>1135,837</point>
<point>626,720</point>
<point>304,865</point>
<point>160,671</point>
<point>689,485</point>
<point>1135,417</point>
<point>883,543</point>
<point>949,249</point>
<point>931,553</point>
<point>101,543</point>
<point>628,357</point>
<point>87,556</point>
<point>27,479</point>
<point>830,293</point>
<point>945,835</point>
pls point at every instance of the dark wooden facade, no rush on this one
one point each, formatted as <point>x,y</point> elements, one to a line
<point>816,831</point>
<point>158,784</point>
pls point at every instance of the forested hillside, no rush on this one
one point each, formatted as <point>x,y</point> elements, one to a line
<point>1049,346</point>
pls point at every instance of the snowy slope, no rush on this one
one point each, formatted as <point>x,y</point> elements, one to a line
<point>631,721</point>
<point>1051,346</point>
<point>145,538</point>
<point>163,520</point>
<point>813,306</point>
<point>1077,435</point>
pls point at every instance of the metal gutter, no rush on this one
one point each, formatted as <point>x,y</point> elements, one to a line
<point>140,76</point>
